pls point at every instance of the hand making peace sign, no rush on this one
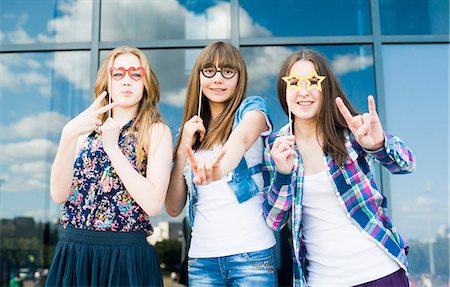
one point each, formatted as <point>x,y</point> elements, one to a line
<point>88,120</point>
<point>366,127</point>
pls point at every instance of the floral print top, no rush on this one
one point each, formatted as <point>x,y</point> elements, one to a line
<point>98,199</point>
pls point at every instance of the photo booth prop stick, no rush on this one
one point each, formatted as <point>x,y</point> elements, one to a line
<point>309,82</point>
<point>200,98</point>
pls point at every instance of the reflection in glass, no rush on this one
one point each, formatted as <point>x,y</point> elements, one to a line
<point>39,93</point>
<point>58,21</point>
<point>124,20</point>
<point>303,18</point>
<point>416,84</point>
<point>406,17</point>
<point>353,65</point>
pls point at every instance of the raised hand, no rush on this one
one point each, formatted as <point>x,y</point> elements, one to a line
<point>366,127</point>
<point>191,127</point>
<point>283,154</point>
<point>88,120</point>
<point>206,170</point>
<point>110,131</point>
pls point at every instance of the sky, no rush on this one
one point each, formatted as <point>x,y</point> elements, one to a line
<point>40,92</point>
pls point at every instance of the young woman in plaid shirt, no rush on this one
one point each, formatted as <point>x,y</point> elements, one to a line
<point>319,167</point>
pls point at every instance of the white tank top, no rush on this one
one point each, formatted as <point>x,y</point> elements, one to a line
<point>224,227</point>
<point>339,254</point>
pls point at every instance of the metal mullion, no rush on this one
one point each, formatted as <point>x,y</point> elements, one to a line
<point>95,39</point>
<point>45,47</point>
<point>323,40</point>
<point>235,37</point>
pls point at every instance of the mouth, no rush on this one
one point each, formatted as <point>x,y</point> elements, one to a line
<point>217,89</point>
<point>305,103</point>
<point>126,92</point>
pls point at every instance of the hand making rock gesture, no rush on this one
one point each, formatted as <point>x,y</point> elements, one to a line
<point>366,127</point>
<point>206,170</point>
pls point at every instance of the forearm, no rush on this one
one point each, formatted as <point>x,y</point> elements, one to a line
<point>176,193</point>
<point>148,192</point>
<point>62,169</point>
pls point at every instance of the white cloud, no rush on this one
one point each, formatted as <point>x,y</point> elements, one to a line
<point>33,150</point>
<point>264,64</point>
<point>34,126</point>
<point>75,23</point>
<point>19,36</point>
<point>32,168</point>
<point>343,64</point>
<point>175,98</point>
<point>425,201</point>
<point>249,28</point>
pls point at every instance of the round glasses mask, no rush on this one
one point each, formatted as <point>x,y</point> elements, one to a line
<point>120,72</point>
<point>210,70</point>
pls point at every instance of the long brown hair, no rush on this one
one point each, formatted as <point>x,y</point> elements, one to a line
<point>330,123</point>
<point>219,53</point>
<point>148,112</point>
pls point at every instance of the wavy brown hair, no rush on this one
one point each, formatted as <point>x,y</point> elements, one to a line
<point>148,113</point>
<point>220,53</point>
<point>330,123</point>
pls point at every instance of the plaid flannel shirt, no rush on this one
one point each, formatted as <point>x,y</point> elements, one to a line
<point>355,189</point>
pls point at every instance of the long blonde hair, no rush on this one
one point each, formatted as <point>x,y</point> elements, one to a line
<point>148,113</point>
<point>219,53</point>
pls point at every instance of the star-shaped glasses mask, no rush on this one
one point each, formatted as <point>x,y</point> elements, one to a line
<point>309,82</point>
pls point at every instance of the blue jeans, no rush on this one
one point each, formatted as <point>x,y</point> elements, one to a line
<point>254,269</point>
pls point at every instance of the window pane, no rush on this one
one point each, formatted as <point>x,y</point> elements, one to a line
<point>416,17</point>
<point>39,93</point>
<point>266,18</point>
<point>416,83</point>
<point>57,21</point>
<point>124,20</point>
<point>353,65</point>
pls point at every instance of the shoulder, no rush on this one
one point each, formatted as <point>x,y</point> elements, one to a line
<point>159,130</point>
<point>253,103</point>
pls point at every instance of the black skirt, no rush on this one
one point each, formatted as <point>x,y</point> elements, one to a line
<point>104,258</point>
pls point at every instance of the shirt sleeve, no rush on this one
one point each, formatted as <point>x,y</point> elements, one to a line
<point>278,195</point>
<point>254,103</point>
<point>395,156</point>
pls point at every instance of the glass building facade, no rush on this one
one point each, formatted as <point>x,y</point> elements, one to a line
<point>396,50</point>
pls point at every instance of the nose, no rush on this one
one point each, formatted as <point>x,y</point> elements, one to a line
<point>218,77</point>
<point>303,91</point>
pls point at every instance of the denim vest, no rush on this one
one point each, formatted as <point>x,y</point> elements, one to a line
<point>240,179</point>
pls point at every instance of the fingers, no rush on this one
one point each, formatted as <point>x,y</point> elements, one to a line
<point>371,103</point>
<point>96,103</point>
<point>106,108</point>
<point>219,157</point>
<point>191,157</point>
<point>344,110</point>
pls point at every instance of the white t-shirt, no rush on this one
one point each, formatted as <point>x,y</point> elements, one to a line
<point>223,226</point>
<point>337,251</point>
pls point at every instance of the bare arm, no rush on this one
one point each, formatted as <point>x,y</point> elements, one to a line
<point>62,169</point>
<point>176,194</point>
<point>241,139</point>
<point>150,191</point>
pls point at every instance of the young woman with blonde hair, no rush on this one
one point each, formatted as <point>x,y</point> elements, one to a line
<point>122,151</point>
